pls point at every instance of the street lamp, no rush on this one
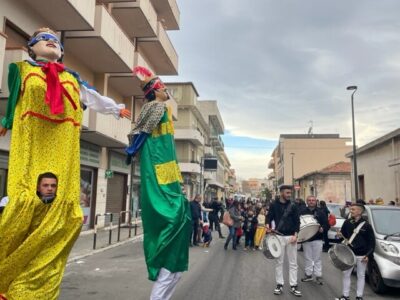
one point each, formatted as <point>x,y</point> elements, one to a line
<point>354,89</point>
<point>292,154</point>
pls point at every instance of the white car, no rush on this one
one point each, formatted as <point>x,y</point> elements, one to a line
<point>335,208</point>
<point>384,268</point>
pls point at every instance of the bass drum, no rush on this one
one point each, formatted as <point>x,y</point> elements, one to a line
<point>342,257</point>
<point>308,228</point>
<point>272,247</point>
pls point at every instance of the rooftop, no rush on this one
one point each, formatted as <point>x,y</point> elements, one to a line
<point>335,168</point>
<point>310,136</point>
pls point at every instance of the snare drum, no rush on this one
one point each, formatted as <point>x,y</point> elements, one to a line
<point>272,247</point>
<point>342,257</point>
<point>308,228</point>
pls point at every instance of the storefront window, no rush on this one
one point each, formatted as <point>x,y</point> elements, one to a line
<point>86,195</point>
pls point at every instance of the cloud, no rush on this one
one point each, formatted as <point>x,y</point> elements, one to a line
<point>275,65</point>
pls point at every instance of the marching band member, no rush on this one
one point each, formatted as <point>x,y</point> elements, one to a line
<point>286,216</point>
<point>313,247</point>
<point>363,245</point>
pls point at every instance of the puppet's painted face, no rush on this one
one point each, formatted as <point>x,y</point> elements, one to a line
<point>47,46</point>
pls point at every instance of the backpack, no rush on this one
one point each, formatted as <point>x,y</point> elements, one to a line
<point>331,220</point>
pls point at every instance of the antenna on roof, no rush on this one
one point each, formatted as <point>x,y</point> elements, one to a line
<point>310,130</point>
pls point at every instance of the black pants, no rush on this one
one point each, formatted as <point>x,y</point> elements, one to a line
<point>249,238</point>
<point>215,221</point>
<point>195,228</point>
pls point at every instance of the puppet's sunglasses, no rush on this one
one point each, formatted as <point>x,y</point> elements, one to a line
<point>44,37</point>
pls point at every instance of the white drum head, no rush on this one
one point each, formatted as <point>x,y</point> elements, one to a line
<point>274,245</point>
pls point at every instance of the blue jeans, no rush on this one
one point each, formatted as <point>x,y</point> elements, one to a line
<point>231,236</point>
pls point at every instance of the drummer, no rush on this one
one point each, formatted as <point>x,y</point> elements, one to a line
<point>313,247</point>
<point>286,217</point>
<point>363,246</point>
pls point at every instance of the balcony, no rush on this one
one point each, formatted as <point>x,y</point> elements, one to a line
<point>137,19</point>
<point>168,12</point>
<point>189,167</point>
<point>106,130</point>
<point>217,142</point>
<point>188,134</point>
<point>160,51</point>
<point>10,55</point>
<point>127,84</point>
<point>106,49</point>
<point>65,14</point>
<point>271,164</point>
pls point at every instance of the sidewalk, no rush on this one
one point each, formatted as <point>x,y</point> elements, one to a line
<point>84,245</point>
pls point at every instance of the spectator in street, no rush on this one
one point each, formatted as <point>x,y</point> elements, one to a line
<point>234,213</point>
<point>195,209</point>
<point>392,203</point>
<point>379,201</point>
<point>217,208</point>
<point>249,228</point>
<point>313,246</point>
<point>206,235</point>
<point>363,246</point>
<point>325,210</point>
<point>260,231</point>
<point>285,215</point>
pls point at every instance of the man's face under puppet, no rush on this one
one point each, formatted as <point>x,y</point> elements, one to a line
<point>47,46</point>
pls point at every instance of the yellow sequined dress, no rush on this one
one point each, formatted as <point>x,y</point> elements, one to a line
<point>36,238</point>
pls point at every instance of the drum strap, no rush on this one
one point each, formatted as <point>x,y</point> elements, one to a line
<point>355,232</point>
<point>284,216</point>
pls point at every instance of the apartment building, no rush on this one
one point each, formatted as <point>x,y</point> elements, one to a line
<point>191,132</point>
<point>299,154</point>
<point>103,41</point>
<point>378,168</point>
<point>197,137</point>
<point>215,181</point>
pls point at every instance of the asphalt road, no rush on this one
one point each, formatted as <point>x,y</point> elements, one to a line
<point>214,274</point>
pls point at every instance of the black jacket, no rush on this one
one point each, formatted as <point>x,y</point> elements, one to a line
<point>195,208</point>
<point>291,225</point>
<point>364,242</point>
<point>321,218</point>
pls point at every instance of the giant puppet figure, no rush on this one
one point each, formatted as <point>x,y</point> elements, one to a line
<point>44,111</point>
<point>165,209</point>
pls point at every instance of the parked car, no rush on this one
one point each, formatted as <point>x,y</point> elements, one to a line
<point>335,209</point>
<point>384,269</point>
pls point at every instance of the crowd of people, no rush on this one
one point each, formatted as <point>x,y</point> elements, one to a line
<point>252,220</point>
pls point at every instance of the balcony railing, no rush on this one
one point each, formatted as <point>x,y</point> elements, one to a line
<point>190,167</point>
<point>189,134</point>
<point>160,51</point>
<point>137,19</point>
<point>109,126</point>
<point>168,12</point>
<point>65,14</point>
<point>107,49</point>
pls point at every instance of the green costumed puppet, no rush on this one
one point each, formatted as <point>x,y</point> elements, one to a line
<point>165,209</point>
<point>43,217</point>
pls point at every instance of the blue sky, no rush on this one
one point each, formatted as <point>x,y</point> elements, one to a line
<point>275,65</point>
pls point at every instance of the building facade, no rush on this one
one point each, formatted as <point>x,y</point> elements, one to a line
<point>103,41</point>
<point>299,154</point>
<point>378,168</point>
<point>191,134</point>
<point>332,183</point>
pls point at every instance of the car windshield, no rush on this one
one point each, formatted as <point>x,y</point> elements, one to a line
<point>386,221</point>
<point>335,209</point>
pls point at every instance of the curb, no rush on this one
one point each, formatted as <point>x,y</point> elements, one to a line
<point>93,252</point>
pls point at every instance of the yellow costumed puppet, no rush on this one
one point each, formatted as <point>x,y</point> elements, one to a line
<point>43,217</point>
